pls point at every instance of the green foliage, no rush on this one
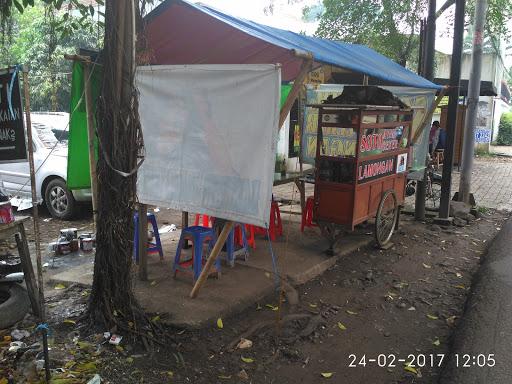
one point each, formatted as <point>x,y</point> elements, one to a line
<point>388,26</point>
<point>505,130</point>
<point>37,42</point>
<point>391,26</point>
<point>499,14</point>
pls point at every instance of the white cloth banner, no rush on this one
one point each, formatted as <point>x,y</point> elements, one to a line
<point>210,138</point>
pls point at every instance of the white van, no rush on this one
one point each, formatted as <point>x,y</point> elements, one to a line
<point>50,133</point>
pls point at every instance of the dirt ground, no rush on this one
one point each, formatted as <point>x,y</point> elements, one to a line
<point>401,303</point>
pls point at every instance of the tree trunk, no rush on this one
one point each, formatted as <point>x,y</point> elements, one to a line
<point>112,302</point>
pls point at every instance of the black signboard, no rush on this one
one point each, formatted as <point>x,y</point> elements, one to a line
<point>12,131</point>
<point>373,169</point>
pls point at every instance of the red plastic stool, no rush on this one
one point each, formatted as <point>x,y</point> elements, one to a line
<point>276,226</point>
<point>307,214</point>
<point>206,222</point>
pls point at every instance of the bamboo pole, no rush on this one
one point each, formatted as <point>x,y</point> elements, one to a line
<point>35,213</point>
<point>211,259</point>
<point>294,92</point>
<point>90,139</point>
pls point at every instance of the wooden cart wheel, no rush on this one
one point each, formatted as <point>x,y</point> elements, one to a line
<point>386,217</point>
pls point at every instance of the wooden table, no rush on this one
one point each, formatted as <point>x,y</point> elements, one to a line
<point>17,229</point>
<point>295,177</point>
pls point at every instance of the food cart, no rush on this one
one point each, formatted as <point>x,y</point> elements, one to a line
<point>365,179</point>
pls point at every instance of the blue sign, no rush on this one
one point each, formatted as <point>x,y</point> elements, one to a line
<point>482,136</point>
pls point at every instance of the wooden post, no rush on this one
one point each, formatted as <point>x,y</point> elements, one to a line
<point>211,259</point>
<point>35,213</point>
<point>184,224</point>
<point>143,242</point>
<point>294,92</point>
<point>28,270</point>
<point>90,138</point>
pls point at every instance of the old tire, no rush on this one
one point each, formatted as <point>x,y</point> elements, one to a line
<point>59,200</point>
<point>15,306</point>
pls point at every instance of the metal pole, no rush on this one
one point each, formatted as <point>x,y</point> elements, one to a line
<point>90,139</point>
<point>451,124</point>
<point>428,73</point>
<point>468,147</point>
<point>35,213</point>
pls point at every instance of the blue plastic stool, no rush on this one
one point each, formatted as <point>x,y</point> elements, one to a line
<point>198,235</point>
<point>232,253</point>
<point>153,247</point>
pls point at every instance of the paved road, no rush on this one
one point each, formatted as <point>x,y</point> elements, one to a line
<point>486,327</point>
<point>491,182</point>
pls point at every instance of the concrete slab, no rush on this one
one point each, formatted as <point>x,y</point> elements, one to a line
<point>300,257</point>
<point>237,289</point>
<point>81,274</point>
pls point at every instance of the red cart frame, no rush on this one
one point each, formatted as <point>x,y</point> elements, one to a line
<point>368,180</point>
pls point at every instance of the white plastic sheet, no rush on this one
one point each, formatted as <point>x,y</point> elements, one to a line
<point>210,138</point>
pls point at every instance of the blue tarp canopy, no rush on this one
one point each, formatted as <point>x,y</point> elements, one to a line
<point>179,32</point>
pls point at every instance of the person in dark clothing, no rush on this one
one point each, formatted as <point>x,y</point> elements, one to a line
<point>441,141</point>
<point>433,137</point>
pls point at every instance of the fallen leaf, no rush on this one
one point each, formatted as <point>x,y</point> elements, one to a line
<point>170,373</point>
<point>153,283</point>
<point>119,348</point>
<point>89,367</point>
<point>411,309</point>
<point>267,275</point>
<point>220,324</point>
<point>436,342</point>
<point>244,344</point>
<point>69,321</point>
<point>247,359</point>
<point>85,345</point>
<point>432,317</point>
<point>258,307</point>
<point>460,286</point>
<point>155,319</point>
<point>341,326</point>
<point>272,307</point>
<point>129,360</point>
<point>408,368</point>
<point>327,374</point>
<point>427,266</point>
<point>351,312</point>
<point>223,377</point>
<point>313,305</point>
<point>59,286</point>
<point>451,321</point>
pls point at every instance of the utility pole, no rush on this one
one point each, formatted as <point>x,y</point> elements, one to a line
<point>468,147</point>
<point>451,124</point>
<point>428,73</point>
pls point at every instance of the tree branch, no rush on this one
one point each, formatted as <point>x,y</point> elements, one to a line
<point>444,7</point>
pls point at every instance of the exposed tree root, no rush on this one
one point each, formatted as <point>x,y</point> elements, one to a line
<point>312,324</point>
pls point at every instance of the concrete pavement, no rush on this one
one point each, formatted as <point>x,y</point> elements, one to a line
<point>485,331</point>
